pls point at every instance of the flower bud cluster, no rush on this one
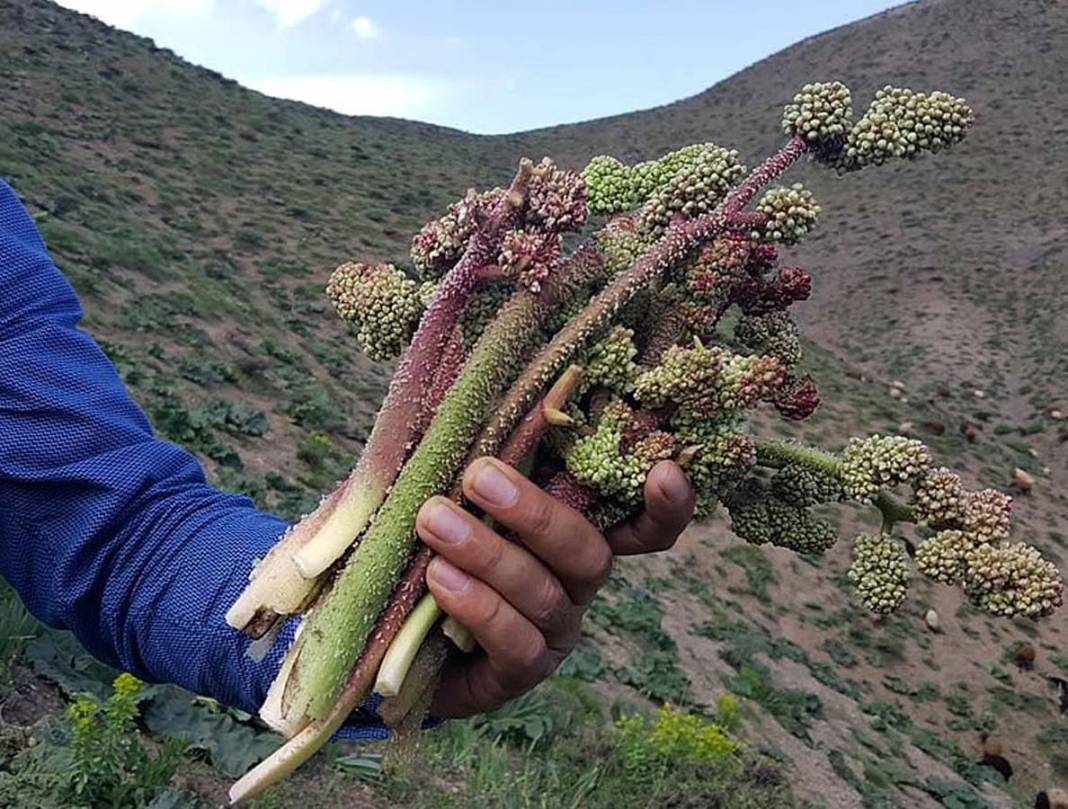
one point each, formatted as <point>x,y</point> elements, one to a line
<point>620,243</point>
<point>528,256</point>
<point>1013,580</point>
<point>609,363</point>
<point>709,380</point>
<point>986,515</point>
<point>797,398</point>
<point>879,572</point>
<point>609,185</point>
<point>940,499</point>
<point>791,214</point>
<point>695,188</point>
<point>617,456</point>
<point>869,464</point>
<point>759,517</point>
<point>821,112</point>
<point>806,486</point>
<point>555,200</point>
<point>904,123</point>
<point>999,578</point>
<point>439,243</point>
<point>774,333</point>
<point>380,303</point>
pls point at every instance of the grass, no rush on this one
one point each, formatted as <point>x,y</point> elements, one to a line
<point>17,627</point>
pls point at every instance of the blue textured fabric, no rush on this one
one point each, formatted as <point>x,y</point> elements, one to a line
<point>104,529</point>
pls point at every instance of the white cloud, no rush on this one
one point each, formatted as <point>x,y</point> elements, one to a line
<point>288,13</point>
<point>401,95</point>
<point>126,13</point>
<point>366,28</point>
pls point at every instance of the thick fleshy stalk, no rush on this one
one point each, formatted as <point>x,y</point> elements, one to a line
<point>315,734</point>
<point>526,436</point>
<point>337,629</point>
<point>681,238</point>
<point>285,580</point>
<point>394,431</point>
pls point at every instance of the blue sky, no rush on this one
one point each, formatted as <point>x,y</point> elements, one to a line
<point>486,67</point>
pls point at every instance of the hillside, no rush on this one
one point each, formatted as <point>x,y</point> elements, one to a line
<point>199,220</point>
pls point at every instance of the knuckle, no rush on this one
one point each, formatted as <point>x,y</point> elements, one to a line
<point>600,561</point>
<point>541,517</point>
<point>530,665</point>
<point>551,604</point>
<point>488,610</point>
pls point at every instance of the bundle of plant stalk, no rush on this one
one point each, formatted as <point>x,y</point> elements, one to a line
<point>648,334</point>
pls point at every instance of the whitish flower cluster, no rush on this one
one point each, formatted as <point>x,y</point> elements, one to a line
<point>609,363</point>
<point>556,199</point>
<point>791,213</point>
<point>869,464</point>
<point>944,556</point>
<point>880,572</point>
<point>380,303</point>
<point>440,243</point>
<point>708,380</point>
<point>774,333</point>
<point>616,458</point>
<point>986,515</point>
<point>999,578</point>
<point>695,188</point>
<point>1013,580</point>
<point>822,111</point>
<point>904,123</point>
<point>806,486</point>
<point>940,498</point>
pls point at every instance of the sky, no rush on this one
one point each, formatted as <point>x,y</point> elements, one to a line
<point>489,67</point>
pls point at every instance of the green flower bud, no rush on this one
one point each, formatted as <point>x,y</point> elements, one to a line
<point>380,303</point>
<point>880,572</point>
<point>940,499</point>
<point>791,213</point>
<point>774,333</point>
<point>869,464</point>
<point>821,112</point>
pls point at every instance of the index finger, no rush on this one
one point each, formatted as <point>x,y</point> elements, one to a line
<point>557,534</point>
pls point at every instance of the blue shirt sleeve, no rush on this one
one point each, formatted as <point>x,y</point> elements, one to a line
<point>104,529</point>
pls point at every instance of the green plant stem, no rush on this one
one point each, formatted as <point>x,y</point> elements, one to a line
<point>336,630</point>
<point>776,454</point>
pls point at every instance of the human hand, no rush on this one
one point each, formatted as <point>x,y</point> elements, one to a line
<point>523,601</point>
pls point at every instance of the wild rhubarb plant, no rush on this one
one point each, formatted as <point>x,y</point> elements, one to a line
<point>653,338</point>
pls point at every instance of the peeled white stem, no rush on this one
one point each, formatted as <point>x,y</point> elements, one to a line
<point>402,651</point>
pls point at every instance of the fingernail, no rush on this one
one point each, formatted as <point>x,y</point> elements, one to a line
<point>448,576</point>
<point>492,485</point>
<point>674,485</point>
<point>445,524</point>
